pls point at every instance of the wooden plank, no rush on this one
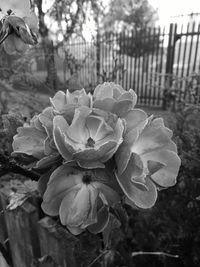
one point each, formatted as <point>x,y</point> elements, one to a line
<point>57,243</point>
<point>23,239</point>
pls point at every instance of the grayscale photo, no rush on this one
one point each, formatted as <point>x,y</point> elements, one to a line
<point>99,133</point>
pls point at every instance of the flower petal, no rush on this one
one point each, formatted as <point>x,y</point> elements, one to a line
<point>59,100</point>
<point>62,179</point>
<point>135,118</point>
<point>90,164</point>
<point>60,127</point>
<point>79,209</point>
<point>122,107</point>
<point>13,45</point>
<point>106,104</point>
<point>165,176</point>
<point>153,136</point>
<point>67,202</point>
<point>93,154</point>
<point>111,195</point>
<point>102,221</point>
<point>30,141</point>
<point>77,130</point>
<point>141,198</point>
<point>122,158</point>
<point>46,118</point>
<point>103,91</point>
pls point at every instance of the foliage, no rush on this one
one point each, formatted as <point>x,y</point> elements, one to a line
<point>131,14</point>
<point>139,43</point>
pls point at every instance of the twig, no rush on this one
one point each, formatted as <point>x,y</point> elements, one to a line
<point>158,253</point>
<point>7,165</point>
<point>98,257</point>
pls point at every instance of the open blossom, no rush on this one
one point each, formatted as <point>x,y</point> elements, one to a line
<point>80,199</point>
<point>91,139</point>
<point>19,27</point>
<point>112,97</point>
<point>36,139</point>
<point>147,160</point>
<point>65,103</point>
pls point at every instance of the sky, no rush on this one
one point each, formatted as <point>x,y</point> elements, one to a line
<point>169,8</point>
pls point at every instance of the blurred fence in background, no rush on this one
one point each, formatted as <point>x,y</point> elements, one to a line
<point>154,62</point>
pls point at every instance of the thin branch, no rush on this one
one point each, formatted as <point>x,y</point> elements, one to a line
<point>158,253</point>
<point>98,257</point>
<point>8,165</point>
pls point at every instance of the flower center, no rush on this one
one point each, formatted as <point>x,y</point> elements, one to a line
<point>87,179</point>
<point>90,142</point>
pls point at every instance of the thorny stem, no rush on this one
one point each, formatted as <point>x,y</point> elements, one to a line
<point>7,165</point>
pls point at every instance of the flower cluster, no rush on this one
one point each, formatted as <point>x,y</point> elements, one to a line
<point>18,26</point>
<point>100,150</point>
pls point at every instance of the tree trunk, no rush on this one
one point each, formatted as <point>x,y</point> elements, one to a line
<point>48,48</point>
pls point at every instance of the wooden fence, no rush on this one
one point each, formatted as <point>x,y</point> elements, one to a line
<point>31,239</point>
<point>143,60</point>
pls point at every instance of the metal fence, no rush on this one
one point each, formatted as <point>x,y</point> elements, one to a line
<point>142,60</point>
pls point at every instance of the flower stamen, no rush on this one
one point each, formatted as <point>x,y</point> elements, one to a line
<point>90,142</point>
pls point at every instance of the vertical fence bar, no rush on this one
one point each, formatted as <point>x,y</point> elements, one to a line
<point>161,74</point>
<point>131,74</point>
<point>179,50</point>
<point>196,49</point>
<point>109,58</point>
<point>135,60</point>
<point>138,66</point>
<point>143,33</point>
<point>152,74</point>
<point>98,57</point>
<point>182,84</point>
<point>106,59</point>
<point>185,50</point>
<point>127,58</point>
<point>123,57</point>
<point>170,61</point>
<point>147,86</point>
<point>191,46</point>
<point>154,63</point>
<point>157,66</point>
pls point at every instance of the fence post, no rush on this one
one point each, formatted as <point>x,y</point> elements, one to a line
<point>170,61</point>
<point>23,238</point>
